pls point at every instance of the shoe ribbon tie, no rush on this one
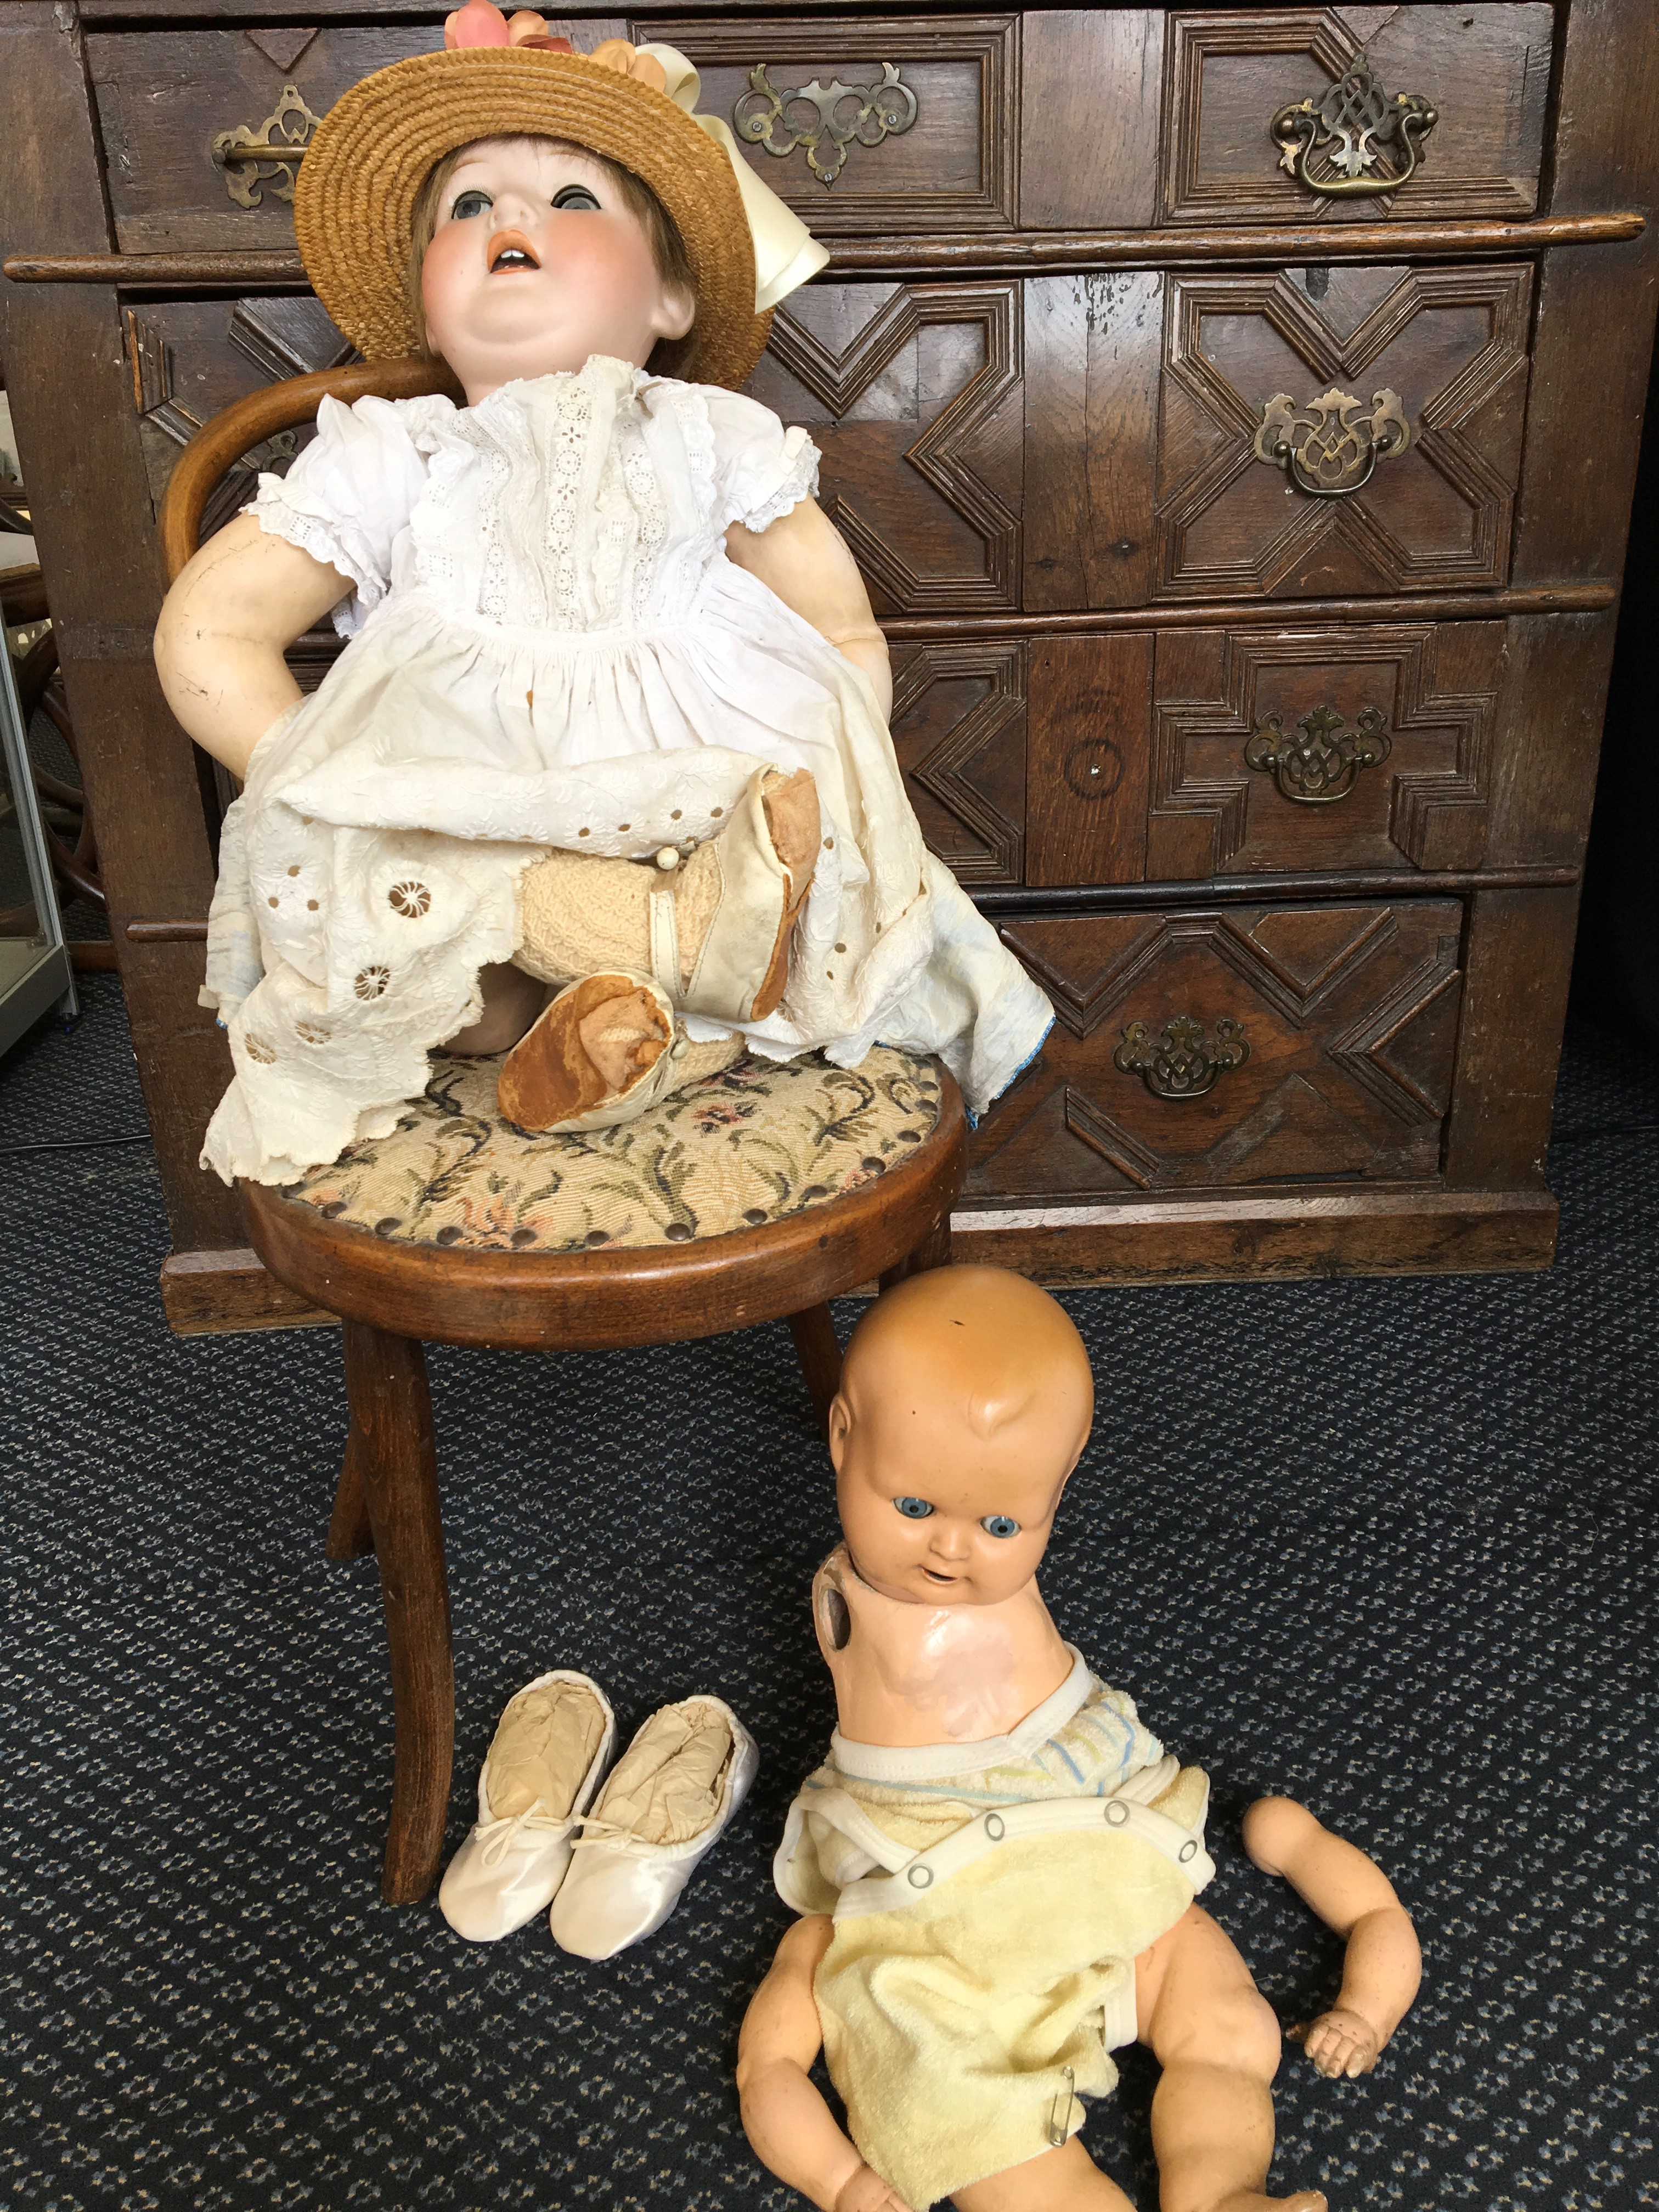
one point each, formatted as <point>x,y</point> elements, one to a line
<point>535,1824</point>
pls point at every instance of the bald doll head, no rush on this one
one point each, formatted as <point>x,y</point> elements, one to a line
<point>965,1401</point>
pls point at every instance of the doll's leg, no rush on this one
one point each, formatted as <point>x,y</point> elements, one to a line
<point>1382,1966</point>
<point>1219,2043</point>
<point>582,914</point>
<point>1054,2181</point>
<point>512,1000</point>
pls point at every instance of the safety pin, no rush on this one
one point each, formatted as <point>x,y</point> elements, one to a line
<point>1060,2122</point>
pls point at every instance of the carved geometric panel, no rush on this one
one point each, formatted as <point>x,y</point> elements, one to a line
<point>1486,68</point>
<point>1435,687</point>
<point>1346,1016</point>
<point>914,394</point>
<point>1450,343</point>
<point>952,167</point>
<point>189,358</point>
<point>958,728</point>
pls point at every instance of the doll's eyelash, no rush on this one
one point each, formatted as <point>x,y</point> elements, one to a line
<point>576,197</point>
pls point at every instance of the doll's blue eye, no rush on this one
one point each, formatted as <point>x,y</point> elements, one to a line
<point>577,197</point>
<point>998,1524</point>
<point>471,203</point>
<point>913,1509</point>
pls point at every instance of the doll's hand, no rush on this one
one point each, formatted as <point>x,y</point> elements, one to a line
<point>1340,2043</point>
<point>867,2192</point>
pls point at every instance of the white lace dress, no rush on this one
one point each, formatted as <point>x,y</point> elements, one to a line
<point>548,647</point>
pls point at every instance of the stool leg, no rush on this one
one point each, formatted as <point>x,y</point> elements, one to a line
<point>819,1350</point>
<point>393,1455</point>
<point>934,1251</point>
<point>350,1537</point>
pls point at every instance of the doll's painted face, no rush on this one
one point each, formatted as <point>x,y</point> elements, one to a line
<point>536,264</point>
<point>965,1402</point>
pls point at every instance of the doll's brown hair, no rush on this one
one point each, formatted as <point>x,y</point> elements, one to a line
<point>673,263</point>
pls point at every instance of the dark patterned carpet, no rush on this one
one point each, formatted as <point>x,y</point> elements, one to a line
<point>1388,1545</point>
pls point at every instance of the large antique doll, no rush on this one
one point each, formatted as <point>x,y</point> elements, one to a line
<point>603,780</point>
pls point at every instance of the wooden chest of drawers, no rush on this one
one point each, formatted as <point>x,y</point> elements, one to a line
<point>1235,413</point>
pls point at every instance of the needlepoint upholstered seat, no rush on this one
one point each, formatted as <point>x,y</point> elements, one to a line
<point>758,1194</point>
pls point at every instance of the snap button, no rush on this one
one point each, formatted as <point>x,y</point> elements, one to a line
<point>1116,1812</point>
<point>1189,1851</point>
<point>920,1877</point>
<point>994,1827</point>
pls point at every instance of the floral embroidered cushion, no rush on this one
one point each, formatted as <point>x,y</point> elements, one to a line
<point>760,1141</point>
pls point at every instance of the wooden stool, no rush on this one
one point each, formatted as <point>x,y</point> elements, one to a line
<point>755,1195</point>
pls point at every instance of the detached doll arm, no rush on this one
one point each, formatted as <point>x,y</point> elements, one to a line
<point>788,2123</point>
<point>802,557</point>
<point>224,624</point>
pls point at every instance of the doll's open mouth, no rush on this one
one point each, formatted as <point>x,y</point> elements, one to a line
<point>934,1576</point>
<point>511,249</point>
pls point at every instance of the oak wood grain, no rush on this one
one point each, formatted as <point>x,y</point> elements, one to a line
<point>1277,1235</point>
<point>1086,759</point>
<point>394,1458</point>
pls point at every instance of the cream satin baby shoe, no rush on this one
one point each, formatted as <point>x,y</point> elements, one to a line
<point>551,1746</point>
<point>668,1798</point>
<point>765,859</point>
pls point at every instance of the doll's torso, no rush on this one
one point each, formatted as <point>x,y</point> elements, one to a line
<point>577,502</point>
<point>910,1674</point>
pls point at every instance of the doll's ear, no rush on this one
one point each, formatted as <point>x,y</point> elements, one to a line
<point>676,310</point>
<point>840,1426</point>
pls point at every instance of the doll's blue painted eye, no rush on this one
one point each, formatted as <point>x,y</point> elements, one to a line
<point>577,197</point>
<point>913,1509</point>
<point>998,1524</point>
<point>471,203</point>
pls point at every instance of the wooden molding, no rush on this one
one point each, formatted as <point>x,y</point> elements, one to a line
<point>998,253</point>
<point>1267,1236</point>
<point>222,1292</point>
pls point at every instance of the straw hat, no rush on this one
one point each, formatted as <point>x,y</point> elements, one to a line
<point>356,188</point>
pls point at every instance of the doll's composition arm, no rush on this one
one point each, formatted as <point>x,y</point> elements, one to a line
<point>1382,1966</point>
<point>788,2123</point>
<point>224,624</point>
<point>802,557</point>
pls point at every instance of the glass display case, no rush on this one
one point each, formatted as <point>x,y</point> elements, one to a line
<point>34,964</point>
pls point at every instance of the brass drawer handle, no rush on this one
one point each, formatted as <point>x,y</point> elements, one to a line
<point>1358,118</point>
<point>881,111</point>
<point>1180,1061</point>
<point>1328,446</point>
<point>275,144</point>
<point>1319,767</point>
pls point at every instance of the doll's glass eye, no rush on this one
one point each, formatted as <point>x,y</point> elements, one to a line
<point>998,1524</point>
<point>471,203</point>
<point>913,1509</point>
<point>577,197</point>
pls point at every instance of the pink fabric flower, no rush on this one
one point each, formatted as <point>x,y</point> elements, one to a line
<point>480,23</point>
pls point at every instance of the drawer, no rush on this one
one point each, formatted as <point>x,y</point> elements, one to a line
<point>1224,751</point>
<point>867,125</point>
<point>1228,1048</point>
<point>1313,432</point>
<point>1483,69</point>
<point>915,394</point>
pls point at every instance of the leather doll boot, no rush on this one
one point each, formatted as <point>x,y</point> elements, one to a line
<point>712,938</point>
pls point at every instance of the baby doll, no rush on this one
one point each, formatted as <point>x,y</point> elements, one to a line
<point>997,1861</point>
<point>611,718</point>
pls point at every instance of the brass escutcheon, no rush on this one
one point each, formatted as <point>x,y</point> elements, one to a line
<point>1329,446</point>
<point>1318,768</point>
<point>1347,130</point>
<point>270,151</point>
<point>1180,1061</point>
<point>878,110</point>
